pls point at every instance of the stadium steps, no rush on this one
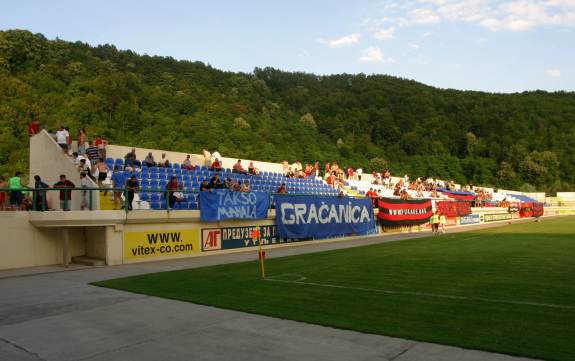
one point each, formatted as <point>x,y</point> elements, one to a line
<point>107,201</point>
<point>87,261</point>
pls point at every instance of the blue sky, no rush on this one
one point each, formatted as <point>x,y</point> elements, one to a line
<point>488,45</point>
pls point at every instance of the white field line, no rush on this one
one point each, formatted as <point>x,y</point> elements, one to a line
<point>300,280</point>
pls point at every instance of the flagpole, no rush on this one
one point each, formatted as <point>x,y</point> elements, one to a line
<point>256,235</point>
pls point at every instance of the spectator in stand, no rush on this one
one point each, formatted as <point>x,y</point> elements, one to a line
<point>207,158</point>
<point>84,183</point>
<point>62,138</point>
<point>68,139</point>
<point>282,188</point>
<point>246,188</point>
<point>228,183</point>
<point>101,144</point>
<point>102,173</point>
<point>65,193</point>
<point>252,169</point>
<point>164,162</point>
<point>118,184</point>
<point>130,159</point>
<point>238,168</point>
<point>172,187</point>
<point>359,172</point>
<point>3,184</point>
<point>216,155</point>
<point>330,180</point>
<point>316,169</point>
<point>92,153</point>
<point>350,173</point>
<point>285,167</point>
<point>308,170</point>
<point>297,168</point>
<point>16,195</point>
<point>82,141</point>
<point>187,164</point>
<point>149,160</point>
<point>83,167</point>
<point>404,195</point>
<point>216,182</point>
<point>216,166</point>
<point>205,186</point>
<point>132,186</point>
<point>327,169</point>
<point>369,193</point>
<point>237,186</point>
<point>34,127</point>
<point>41,203</point>
<point>76,158</point>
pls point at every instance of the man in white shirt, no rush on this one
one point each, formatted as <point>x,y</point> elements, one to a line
<point>62,137</point>
<point>77,158</point>
<point>359,172</point>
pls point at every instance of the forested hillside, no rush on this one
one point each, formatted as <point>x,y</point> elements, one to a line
<point>517,141</point>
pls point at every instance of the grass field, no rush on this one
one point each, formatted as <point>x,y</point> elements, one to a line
<point>509,289</point>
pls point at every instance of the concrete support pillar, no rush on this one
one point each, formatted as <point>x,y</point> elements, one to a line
<point>66,246</point>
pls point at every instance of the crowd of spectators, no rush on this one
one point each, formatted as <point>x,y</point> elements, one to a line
<point>89,158</point>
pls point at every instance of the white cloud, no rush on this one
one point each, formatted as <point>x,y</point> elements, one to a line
<point>373,54</point>
<point>427,34</point>
<point>495,15</point>
<point>554,73</point>
<point>340,42</point>
<point>383,34</point>
<point>423,16</point>
<point>414,46</point>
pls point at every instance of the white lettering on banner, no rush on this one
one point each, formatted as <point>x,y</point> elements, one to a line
<point>299,213</point>
<point>401,212</point>
<point>236,199</point>
<point>284,209</point>
<point>322,208</point>
<point>247,212</point>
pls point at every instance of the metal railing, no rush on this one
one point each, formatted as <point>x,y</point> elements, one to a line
<point>38,201</point>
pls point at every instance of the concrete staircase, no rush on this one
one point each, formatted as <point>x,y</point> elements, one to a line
<point>107,201</point>
<point>87,261</point>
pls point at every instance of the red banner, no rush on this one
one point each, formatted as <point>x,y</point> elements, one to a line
<point>453,208</point>
<point>538,209</point>
<point>526,210</point>
<point>398,212</point>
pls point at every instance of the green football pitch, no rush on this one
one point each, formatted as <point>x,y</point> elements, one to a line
<point>509,289</point>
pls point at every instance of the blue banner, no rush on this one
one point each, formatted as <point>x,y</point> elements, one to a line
<point>299,216</point>
<point>216,239</point>
<point>224,204</point>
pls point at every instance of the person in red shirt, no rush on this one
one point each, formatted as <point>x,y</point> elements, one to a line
<point>64,183</point>
<point>172,187</point>
<point>350,173</point>
<point>101,143</point>
<point>282,188</point>
<point>34,127</point>
<point>216,166</point>
<point>238,168</point>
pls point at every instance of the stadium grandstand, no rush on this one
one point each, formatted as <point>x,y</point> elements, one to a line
<point>120,200</point>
